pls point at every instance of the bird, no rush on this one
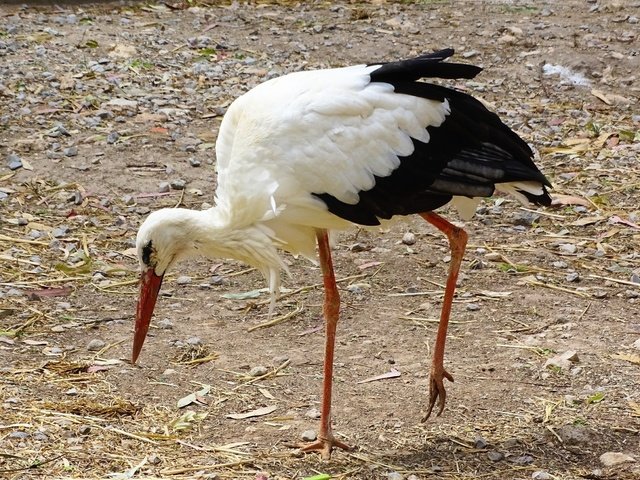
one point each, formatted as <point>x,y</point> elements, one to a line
<point>317,151</point>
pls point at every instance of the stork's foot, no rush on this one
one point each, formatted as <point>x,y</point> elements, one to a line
<point>437,391</point>
<point>324,446</point>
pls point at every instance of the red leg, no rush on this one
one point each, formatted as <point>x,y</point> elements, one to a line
<point>457,242</point>
<point>326,441</point>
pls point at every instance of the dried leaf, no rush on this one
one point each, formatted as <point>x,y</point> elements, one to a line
<point>617,219</point>
<point>393,373</point>
<point>627,357</point>
<point>491,294</point>
<point>560,200</point>
<point>601,96</point>
<point>194,397</point>
<point>364,266</point>
<point>35,342</point>
<point>253,413</point>
<point>266,393</point>
<point>581,222</point>
<point>50,292</point>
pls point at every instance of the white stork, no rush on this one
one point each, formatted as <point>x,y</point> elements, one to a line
<point>322,150</point>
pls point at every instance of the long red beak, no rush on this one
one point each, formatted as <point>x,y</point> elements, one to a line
<point>149,287</point>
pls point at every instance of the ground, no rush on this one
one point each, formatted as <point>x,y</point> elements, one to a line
<point>101,104</point>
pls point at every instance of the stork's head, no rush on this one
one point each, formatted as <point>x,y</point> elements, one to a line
<point>163,238</point>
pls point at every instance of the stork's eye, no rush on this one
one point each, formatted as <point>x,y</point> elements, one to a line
<point>147,252</point>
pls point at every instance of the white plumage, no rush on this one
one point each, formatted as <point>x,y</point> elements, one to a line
<point>321,150</point>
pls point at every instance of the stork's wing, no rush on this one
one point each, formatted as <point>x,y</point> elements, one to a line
<point>371,142</point>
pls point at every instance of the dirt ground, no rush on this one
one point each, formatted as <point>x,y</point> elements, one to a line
<point>101,104</point>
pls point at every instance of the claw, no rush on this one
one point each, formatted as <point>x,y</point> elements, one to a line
<point>437,392</point>
<point>324,446</point>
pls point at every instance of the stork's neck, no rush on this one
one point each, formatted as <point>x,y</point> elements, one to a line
<point>214,234</point>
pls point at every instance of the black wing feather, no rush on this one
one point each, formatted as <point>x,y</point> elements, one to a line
<point>465,156</point>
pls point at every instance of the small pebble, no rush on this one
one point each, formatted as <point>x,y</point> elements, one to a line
<point>258,371</point>
<point>521,460</point>
<point>194,341</point>
<point>40,436</point>
<point>164,187</point>
<point>19,434</point>
<point>472,307</point>
<point>60,231</point>
<point>165,324</point>
<point>309,435</point>
<point>84,430</point>
<point>280,359</point>
<point>409,238</point>
<point>568,248</point>
<point>480,442</point>
<point>169,371</point>
<point>183,280</point>
<point>113,138</point>
<point>541,475</point>
<point>153,459</point>
<point>178,184</point>
<point>395,476</point>
<point>194,162</point>
<point>128,200</point>
<point>70,151</point>
<point>312,413</point>
<point>14,162</point>
<point>72,392</point>
<point>95,345</point>
<point>563,360</point>
<point>609,459</point>
<point>572,277</point>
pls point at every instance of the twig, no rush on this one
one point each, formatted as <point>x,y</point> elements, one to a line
<point>277,320</point>
<point>616,280</point>
<point>130,435</point>
<point>266,375</point>
<point>195,468</point>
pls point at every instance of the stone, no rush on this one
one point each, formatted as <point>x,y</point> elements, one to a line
<point>541,475</point>
<point>309,435</point>
<point>576,435</point>
<point>13,161</point>
<point>636,344</point>
<point>409,238</point>
<point>122,104</point>
<point>563,361</point>
<point>164,187</point>
<point>178,184</point>
<point>70,151</point>
<point>194,341</point>
<point>95,345</point>
<point>165,324</point>
<point>312,413</point>
<point>395,476</point>
<point>480,442</point>
<point>610,459</point>
<point>153,459</point>
<point>258,371</point>
<point>183,280</point>
<point>568,248</point>
<point>495,456</point>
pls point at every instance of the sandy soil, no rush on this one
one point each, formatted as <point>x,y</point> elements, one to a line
<point>100,104</point>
